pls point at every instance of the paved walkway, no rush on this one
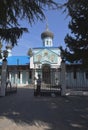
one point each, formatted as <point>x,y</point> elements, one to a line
<point>23,111</point>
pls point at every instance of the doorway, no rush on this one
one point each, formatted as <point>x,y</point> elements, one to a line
<point>46,76</point>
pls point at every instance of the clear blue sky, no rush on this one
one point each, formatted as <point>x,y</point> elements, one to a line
<point>58,24</point>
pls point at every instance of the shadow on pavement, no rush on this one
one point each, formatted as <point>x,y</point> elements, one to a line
<point>54,113</point>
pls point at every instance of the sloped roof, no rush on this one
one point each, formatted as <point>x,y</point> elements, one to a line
<point>18,60</point>
<point>49,47</point>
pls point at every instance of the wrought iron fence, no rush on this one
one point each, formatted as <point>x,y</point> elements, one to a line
<point>50,80</point>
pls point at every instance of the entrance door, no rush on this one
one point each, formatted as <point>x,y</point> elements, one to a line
<point>46,74</point>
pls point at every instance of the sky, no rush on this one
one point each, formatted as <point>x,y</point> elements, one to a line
<point>57,23</point>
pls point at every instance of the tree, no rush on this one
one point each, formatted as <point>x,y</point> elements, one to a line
<point>76,50</point>
<point>11,11</point>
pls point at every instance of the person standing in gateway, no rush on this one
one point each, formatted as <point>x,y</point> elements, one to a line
<point>38,85</point>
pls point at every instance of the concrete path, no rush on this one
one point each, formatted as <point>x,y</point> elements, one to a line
<point>23,111</point>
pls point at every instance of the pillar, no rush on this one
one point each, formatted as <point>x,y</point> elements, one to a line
<point>10,76</point>
<point>3,77</point>
<point>27,77</point>
<point>21,75</point>
<point>63,78</point>
<point>16,79</point>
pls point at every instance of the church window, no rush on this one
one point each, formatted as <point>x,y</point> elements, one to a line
<point>47,42</point>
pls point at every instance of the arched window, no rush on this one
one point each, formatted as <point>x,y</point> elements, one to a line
<point>47,42</point>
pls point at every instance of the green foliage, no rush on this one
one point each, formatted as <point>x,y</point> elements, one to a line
<point>77,43</point>
<point>12,34</point>
<point>11,11</point>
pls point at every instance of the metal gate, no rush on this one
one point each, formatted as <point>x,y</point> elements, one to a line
<point>50,80</point>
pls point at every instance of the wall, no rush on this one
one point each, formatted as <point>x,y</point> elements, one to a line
<point>76,80</point>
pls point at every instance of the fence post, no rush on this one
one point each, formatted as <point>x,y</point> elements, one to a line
<point>3,77</point>
<point>63,78</point>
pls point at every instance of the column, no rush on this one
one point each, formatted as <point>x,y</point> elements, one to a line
<point>20,77</point>
<point>27,77</point>
<point>3,77</point>
<point>16,79</point>
<point>10,76</point>
<point>63,78</point>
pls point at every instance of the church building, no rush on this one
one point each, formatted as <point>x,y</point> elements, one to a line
<point>46,60</point>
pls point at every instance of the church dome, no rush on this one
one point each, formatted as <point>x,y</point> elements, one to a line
<point>47,33</point>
